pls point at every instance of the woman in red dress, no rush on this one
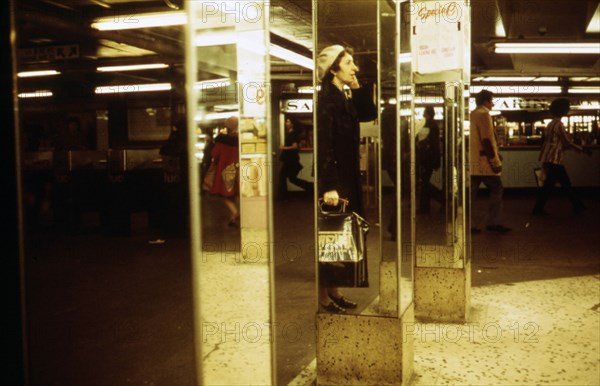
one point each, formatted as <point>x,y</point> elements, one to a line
<point>227,158</point>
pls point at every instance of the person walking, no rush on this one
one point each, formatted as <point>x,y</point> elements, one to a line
<point>338,158</point>
<point>227,158</point>
<point>556,142</point>
<point>428,151</point>
<point>486,162</point>
<point>290,162</point>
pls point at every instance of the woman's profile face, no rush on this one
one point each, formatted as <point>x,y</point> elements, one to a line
<point>347,71</point>
<point>288,124</point>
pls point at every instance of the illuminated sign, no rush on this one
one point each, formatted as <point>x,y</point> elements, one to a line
<point>515,104</point>
<point>292,106</point>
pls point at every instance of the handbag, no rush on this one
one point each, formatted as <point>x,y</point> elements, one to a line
<point>229,175</point>
<point>209,178</point>
<point>342,252</point>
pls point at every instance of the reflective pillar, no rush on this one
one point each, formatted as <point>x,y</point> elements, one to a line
<point>227,70</point>
<point>441,60</point>
<point>372,343</point>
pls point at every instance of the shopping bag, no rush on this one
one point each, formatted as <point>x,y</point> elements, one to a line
<point>342,252</point>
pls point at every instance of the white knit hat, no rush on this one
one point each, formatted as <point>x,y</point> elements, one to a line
<point>326,59</point>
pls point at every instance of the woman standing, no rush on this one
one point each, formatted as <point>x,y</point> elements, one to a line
<point>556,141</point>
<point>338,118</point>
<point>226,155</point>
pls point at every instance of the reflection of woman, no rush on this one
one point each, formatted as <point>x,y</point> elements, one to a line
<point>338,119</point>
<point>226,155</point>
<point>428,159</point>
<point>290,160</point>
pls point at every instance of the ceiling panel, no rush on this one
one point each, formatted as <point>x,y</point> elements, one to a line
<point>62,22</point>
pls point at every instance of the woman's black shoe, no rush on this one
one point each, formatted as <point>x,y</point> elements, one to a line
<point>333,308</point>
<point>343,302</point>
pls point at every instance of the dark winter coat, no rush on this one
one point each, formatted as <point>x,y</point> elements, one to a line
<point>339,139</point>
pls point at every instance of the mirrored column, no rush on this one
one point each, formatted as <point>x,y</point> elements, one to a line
<point>357,115</point>
<point>440,66</point>
<point>228,98</point>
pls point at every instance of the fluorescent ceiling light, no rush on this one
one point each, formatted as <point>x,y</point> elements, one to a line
<point>144,20</point>
<point>132,67</point>
<point>291,56</point>
<point>594,25</point>
<point>548,48</point>
<point>518,89</point>
<point>133,88</point>
<point>508,78</point>
<point>584,79</point>
<point>36,94</point>
<point>584,90</point>
<point>515,79</point>
<point>546,79</point>
<point>30,74</point>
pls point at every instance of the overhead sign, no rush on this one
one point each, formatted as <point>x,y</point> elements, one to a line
<point>292,106</point>
<point>49,53</point>
<point>439,38</point>
<point>515,104</point>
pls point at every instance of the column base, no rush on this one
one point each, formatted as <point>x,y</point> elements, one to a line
<point>442,294</point>
<point>365,349</point>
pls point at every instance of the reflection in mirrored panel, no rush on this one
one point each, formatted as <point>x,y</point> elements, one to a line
<point>293,223</point>
<point>396,159</point>
<point>228,77</point>
<point>388,292</point>
<point>347,156</point>
<point>405,154</point>
<point>439,156</point>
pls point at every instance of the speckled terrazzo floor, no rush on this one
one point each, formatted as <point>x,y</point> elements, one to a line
<point>529,333</point>
<point>533,333</point>
<point>118,310</point>
<point>535,306</point>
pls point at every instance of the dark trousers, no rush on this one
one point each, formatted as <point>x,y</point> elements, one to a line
<point>285,175</point>
<point>494,184</point>
<point>556,173</point>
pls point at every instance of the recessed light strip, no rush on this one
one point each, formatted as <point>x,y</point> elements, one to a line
<point>548,48</point>
<point>30,74</point>
<point>128,88</point>
<point>36,94</point>
<point>518,89</point>
<point>584,90</point>
<point>144,20</point>
<point>132,67</point>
